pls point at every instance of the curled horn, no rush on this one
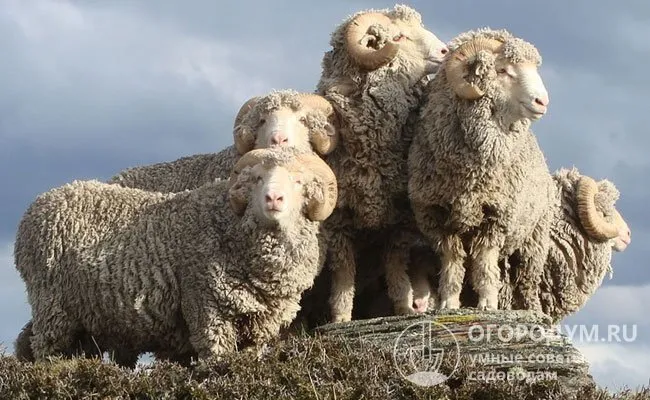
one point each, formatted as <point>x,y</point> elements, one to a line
<point>244,139</point>
<point>320,209</point>
<point>594,224</point>
<point>322,141</point>
<point>458,63</point>
<point>239,197</point>
<point>365,57</point>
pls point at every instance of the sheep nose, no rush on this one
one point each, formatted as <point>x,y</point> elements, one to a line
<point>444,51</point>
<point>542,100</point>
<point>279,139</point>
<point>274,201</point>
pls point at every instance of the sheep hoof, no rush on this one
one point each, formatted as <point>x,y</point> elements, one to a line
<point>341,318</point>
<point>404,310</point>
<point>450,304</point>
<point>488,302</point>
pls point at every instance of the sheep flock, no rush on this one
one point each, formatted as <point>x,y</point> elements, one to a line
<point>409,180</point>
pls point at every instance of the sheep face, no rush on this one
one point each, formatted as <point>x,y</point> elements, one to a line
<point>278,185</point>
<point>286,119</point>
<point>420,48</point>
<point>604,201</point>
<point>502,68</point>
<point>377,38</point>
<point>598,215</point>
<point>520,90</point>
<point>276,195</point>
<point>624,238</point>
<point>285,127</point>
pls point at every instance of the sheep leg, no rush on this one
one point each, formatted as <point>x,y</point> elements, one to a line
<point>422,290</point>
<point>53,331</point>
<point>209,334</point>
<point>486,277</point>
<point>528,276</point>
<point>452,272</point>
<point>344,269</point>
<point>398,283</point>
<point>22,345</point>
<point>213,338</point>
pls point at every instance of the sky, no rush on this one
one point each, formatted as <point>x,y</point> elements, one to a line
<point>88,88</point>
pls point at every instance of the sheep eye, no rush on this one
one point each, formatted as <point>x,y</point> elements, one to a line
<point>262,121</point>
<point>502,71</point>
<point>259,179</point>
<point>303,119</point>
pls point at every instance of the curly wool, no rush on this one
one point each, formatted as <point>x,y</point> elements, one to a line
<point>188,173</point>
<point>373,106</point>
<point>470,177</point>
<point>515,50</point>
<point>576,265</point>
<point>174,269</point>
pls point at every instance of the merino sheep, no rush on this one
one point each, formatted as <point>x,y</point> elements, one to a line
<point>288,118</point>
<point>586,229</point>
<point>198,271</point>
<point>282,118</point>
<point>374,76</point>
<point>478,182</point>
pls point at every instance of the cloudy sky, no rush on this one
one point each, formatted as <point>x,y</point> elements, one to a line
<point>90,87</point>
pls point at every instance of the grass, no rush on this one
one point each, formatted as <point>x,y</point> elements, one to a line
<point>300,367</point>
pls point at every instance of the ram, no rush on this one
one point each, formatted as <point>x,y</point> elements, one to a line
<point>282,118</point>
<point>478,182</point>
<point>374,76</point>
<point>586,228</point>
<point>195,272</point>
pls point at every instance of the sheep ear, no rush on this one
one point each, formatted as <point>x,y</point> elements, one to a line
<point>238,192</point>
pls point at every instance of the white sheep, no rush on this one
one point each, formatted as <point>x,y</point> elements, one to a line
<point>373,75</point>
<point>201,271</point>
<point>305,121</point>
<point>586,228</point>
<point>478,182</point>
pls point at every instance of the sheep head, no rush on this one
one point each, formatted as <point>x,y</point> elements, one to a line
<point>281,183</point>
<point>505,68</point>
<point>286,119</point>
<point>598,216</point>
<point>374,39</point>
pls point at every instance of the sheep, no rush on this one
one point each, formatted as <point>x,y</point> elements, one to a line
<point>198,271</point>
<point>586,228</point>
<point>281,118</point>
<point>305,121</point>
<point>478,183</point>
<point>373,75</point>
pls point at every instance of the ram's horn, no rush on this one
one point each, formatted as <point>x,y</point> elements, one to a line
<point>592,221</point>
<point>323,142</point>
<point>458,62</point>
<point>317,209</point>
<point>244,139</point>
<point>361,54</point>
